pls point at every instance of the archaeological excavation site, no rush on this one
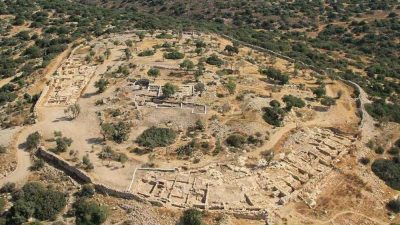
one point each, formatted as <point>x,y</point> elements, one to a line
<point>171,121</point>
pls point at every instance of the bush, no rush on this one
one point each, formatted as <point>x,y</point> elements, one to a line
<point>156,137</point>
<point>276,75</point>
<point>293,101</point>
<point>381,110</point>
<point>199,87</point>
<point>379,150</point>
<point>275,103</point>
<point>37,201</point>
<point>319,92</point>
<point>236,140</point>
<point>2,204</point>
<point>62,144</point>
<point>33,140</point>
<point>153,72</point>
<point>117,132</point>
<point>215,60</point>
<point>101,85</point>
<point>87,190</point>
<point>8,188</point>
<point>274,116</point>
<point>174,55</point>
<point>394,150</point>
<point>37,165</point>
<point>364,160</point>
<point>388,171</point>
<point>192,217</point>
<point>231,86</point>
<point>146,53</point>
<point>169,89</point>
<point>3,149</point>
<point>328,101</point>
<point>89,213</point>
<point>394,205</point>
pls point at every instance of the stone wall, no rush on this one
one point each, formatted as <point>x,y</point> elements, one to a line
<point>82,177</point>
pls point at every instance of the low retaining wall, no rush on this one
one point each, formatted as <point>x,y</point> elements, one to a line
<point>63,165</point>
<point>82,177</point>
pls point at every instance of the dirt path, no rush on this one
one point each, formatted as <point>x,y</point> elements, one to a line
<point>333,218</point>
<point>21,172</point>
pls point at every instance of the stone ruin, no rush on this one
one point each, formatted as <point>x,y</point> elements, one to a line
<point>293,176</point>
<point>69,81</point>
<point>149,94</point>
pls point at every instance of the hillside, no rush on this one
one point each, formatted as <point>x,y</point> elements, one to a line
<point>208,112</point>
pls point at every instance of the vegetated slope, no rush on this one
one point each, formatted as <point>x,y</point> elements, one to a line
<point>34,33</point>
<point>358,40</point>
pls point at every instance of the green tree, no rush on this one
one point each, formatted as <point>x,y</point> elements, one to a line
<point>33,140</point>
<point>192,217</point>
<point>101,85</point>
<point>73,111</point>
<point>187,64</point>
<point>231,86</point>
<point>88,212</point>
<point>169,90</point>
<point>153,72</point>
<point>319,92</point>
<point>293,101</point>
<point>156,137</point>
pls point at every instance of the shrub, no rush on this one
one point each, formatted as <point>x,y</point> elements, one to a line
<point>274,116</point>
<point>236,140</point>
<point>379,150</point>
<point>101,85</point>
<point>319,92</point>
<point>328,101</point>
<point>275,103</point>
<point>293,101</point>
<point>192,217</point>
<point>89,213</point>
<point>2,204</point>
<point>117,132</point>
<point>381,110</point>
<point>8,188</point>
<point>187,64</point>
<point>394,205</point>
<point>146,53</point>
<point>388,171</point>
<point>199,87</point>
<point>153,72</point>
<point>3,149</point>
<point>231,49</point>
<point>37,201</point>
<point>276,75</point>
<point>169,89</point>
<point>37,165</point>
<point>62,144</point>
<point>174,55</point>
<point>33,140</point>
<point>87,190</point>
<point>214,60</point>
<point>156,137</point>
<point>364,160</point>
<point>231,86</point>
<point>394,150</point>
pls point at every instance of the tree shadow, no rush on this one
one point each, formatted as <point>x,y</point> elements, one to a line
<point>89,95</point>
<point>61,119</point>
<point>95,141</point>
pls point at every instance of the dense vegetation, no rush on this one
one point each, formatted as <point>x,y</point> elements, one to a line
<point>389,171</point>
<point>35,200</point>
<point>156,137</point>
